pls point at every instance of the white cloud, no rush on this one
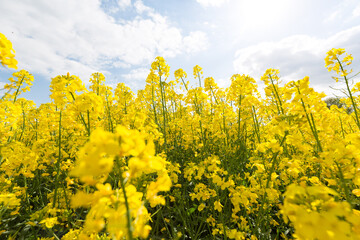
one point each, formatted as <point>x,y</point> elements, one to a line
<point>124,3</point>
<point>211,3</point>
<point>297,56</point>
<point>196,41</point>
<point>210,25</point>
<point>344,11</point>
<point>119,64</point>
<point>334,16</point>
<point>356,11</point>
<point>137,74</point>
<point>141,8</point>
<point>56,37</point>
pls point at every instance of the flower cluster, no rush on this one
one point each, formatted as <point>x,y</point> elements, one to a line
<point>7,53</point>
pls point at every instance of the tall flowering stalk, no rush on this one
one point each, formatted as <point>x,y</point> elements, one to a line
<point>334,61</point>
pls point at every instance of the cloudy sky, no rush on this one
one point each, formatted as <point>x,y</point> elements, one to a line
<point>121,38</point>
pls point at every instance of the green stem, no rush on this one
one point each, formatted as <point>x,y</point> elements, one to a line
<point>351,96</point>
<point>153,103</point>
<point>18,89</point>
<point>128,216</point>
<point>311,122</point>
<point>184,84</point>
<point>57,164</point>
<point>277,95</point>
<point>163,103</point>
<point>198,74</point>
<point>23,125</point>
<point>256,123</point>
<point>26,194</point>
<point>88,118</point>
<point>342,128</point>
<point>239,116</point>
<point>343,183</point>
<point>111,126</point>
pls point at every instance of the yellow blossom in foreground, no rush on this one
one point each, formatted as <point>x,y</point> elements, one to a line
<point>316,215</point>
<point>115,209</point>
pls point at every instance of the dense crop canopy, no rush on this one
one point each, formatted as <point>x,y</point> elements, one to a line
<point>180,162</point>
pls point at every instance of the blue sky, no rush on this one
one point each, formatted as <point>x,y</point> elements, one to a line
<point>121,38</point>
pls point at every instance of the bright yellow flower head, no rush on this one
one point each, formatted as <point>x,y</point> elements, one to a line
<point>20,83</point>
<point>49,222</point>
<point>161,67</point>
<point>180,74</point>
<point>197,71</point>
<point>270,74</point>
<point>64,88</point>
<point>7,53</point>
<point>334,62</point>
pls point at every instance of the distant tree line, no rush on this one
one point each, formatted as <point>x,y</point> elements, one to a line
<point>337,101</point>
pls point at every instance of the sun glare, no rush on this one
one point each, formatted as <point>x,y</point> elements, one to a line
<point>260,14</point>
